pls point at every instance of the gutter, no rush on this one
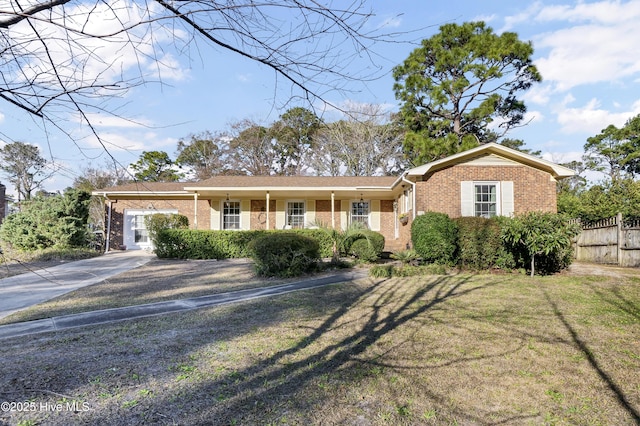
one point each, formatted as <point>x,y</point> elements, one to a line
<point>413,193</point>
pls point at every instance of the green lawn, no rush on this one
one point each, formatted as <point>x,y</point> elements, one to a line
<point>463,349</point>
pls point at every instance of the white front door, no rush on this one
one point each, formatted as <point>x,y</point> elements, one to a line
<point>136,236</point>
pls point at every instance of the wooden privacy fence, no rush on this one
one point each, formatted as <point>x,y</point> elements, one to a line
<point>613,241</point>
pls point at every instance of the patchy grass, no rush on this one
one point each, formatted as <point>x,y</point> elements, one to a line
<point>157,281</point>
<point>14,262</point>
<point>464,349</point>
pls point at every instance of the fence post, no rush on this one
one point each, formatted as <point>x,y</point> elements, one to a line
<point>620,238</point>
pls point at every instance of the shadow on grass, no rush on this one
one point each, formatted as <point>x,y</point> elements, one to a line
<point>588,353</point>
<point>250,393</point>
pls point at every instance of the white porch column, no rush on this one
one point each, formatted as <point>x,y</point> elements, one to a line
<point>267,210</point>
<point>333,219</point>
<point>195,210</point>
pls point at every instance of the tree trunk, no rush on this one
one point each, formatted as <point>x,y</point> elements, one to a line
<point>533,261</point>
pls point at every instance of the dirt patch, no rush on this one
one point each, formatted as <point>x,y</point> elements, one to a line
<point>11,268</point>
<point>157,281</point>
<point>583,268</point>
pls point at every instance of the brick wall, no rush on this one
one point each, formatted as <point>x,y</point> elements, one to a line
<point>184,206</point>
<point>323,212</point>
<point>534,190</point>
<point>259,214</point>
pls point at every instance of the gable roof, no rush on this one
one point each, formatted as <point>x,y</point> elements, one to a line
<point>249,186</point>
<point>297,181</point>
<point>556,170</point>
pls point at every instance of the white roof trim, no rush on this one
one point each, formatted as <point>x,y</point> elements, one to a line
<point>556,170</point>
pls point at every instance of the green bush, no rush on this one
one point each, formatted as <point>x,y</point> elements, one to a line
<point>284,254</point>
<point>388,271</point>
<point>434,237</point>
<point>479,242</point>
<point>364,244</point>
<point>540,241</point>
<point>381,271</point>
<point>209,244</point>
<point>53,221</point>
<point>158,221</point>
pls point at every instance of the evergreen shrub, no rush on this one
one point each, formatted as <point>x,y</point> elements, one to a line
<point>434,237</point>
<point>209,244</point>
<point>284,254</point>
<point>366,245</point>
<point>479,242</point>
<point>58,221</point>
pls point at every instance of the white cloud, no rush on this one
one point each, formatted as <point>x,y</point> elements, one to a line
<point>132,142</point>
<point>244,78</point>
<point>485,18</point>
<point>169,68</point>
<point>391,22</point>
<point>598,46</point>
<point>103,120</point>
<point>606,12</point>
<point>524,16</point>
<point>591,118</point>
<point>538,95</point>
<point>89,46</point>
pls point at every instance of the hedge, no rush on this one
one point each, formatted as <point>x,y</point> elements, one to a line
<point>366,245</point>
<point>434,237</point>
<point>284,254</point>
<point>479,242</point>
<point>209,244</point>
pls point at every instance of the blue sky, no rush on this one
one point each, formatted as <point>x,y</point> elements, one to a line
<point>587,52</point>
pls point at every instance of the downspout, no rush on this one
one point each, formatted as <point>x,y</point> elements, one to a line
<point>108,241</point>
<point>413,194</point>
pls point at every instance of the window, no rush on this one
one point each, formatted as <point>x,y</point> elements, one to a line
<point>231,215</point>
<point>140,234</point>
<point>486,199</point>
<point>295,214</point>
<point>360,212</point>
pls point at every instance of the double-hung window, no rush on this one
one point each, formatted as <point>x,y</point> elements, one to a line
<point>486,199</point>
<point>140,233</point>
<point>360,212</point>
<point>231,215</point>
<point>295,214</point>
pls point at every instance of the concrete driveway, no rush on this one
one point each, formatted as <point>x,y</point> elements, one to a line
<point>21,291</point>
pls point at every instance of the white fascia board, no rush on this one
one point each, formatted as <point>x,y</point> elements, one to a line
<point>492,147</point>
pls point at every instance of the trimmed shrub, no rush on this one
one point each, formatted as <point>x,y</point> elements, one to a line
<point>479,242</point>
<point>364,244</point>
<point>284,254</point>
<point>209,244</point>
<point>434,237</point>
<point>158,221</point>
<point>201,244</point>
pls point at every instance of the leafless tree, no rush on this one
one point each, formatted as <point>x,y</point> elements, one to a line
<point>60,56</point>
<point>367,143</point>
<point>252,149</point>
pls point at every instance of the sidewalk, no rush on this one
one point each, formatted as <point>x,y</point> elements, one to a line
<point>131,312</point>
<point>21,291</point>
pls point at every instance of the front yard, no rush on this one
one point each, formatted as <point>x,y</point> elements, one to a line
<point>458,349</point>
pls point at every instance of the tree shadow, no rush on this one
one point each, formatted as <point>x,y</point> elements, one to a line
<point>588,353</point>
<point>249,390</point>
<point>619,301</point>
